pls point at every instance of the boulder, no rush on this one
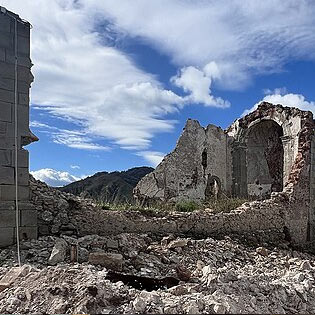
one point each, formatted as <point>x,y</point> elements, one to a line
<point>59,252</point>
<point>108,260</point>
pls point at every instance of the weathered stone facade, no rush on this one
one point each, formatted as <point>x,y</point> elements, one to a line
<point>15,40</point>
<point>265,152</point>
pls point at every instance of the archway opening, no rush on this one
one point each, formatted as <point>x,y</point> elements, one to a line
<point>264,159</point>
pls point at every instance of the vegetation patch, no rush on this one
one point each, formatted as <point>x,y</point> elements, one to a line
<point>225,204</point>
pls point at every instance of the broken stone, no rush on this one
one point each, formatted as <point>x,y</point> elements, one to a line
<point>12,275</point>
<point>262,251</point>
<point>183,273</point>
<point>83,254</point>
<point>59,252</point>
<point>108,260</point>
<point>305,265</point>
<point>219,308</point>
<point>47,216</point>
<point>177,243</point>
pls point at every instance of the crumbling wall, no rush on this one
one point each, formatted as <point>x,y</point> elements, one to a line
<point>298,128</point>
<point>64,214</point>
<point>199,160</point>
<point>28,215</point>
<point>269,150</point>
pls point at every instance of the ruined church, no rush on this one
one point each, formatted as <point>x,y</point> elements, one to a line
<point>271,150</point>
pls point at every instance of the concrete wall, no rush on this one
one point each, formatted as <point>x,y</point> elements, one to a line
<point>28,215</point>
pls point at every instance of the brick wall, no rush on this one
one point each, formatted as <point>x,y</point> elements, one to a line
<point>28,215</point>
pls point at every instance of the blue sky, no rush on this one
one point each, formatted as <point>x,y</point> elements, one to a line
<point>115,81</point>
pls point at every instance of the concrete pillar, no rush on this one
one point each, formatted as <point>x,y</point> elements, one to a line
<point>8,173</point>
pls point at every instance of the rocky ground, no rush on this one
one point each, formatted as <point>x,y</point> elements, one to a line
<point>130,273</point>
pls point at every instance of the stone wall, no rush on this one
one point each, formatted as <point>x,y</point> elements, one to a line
<point>199,161</point>
<point>28,215</point>
<point>65,214</point>
<point>267,151</point>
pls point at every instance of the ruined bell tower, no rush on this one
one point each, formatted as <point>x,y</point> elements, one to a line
<point>18,218</point>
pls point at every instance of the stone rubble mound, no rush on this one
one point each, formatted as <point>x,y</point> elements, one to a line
<point>213,276</point>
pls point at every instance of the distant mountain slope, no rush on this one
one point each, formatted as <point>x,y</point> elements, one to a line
<point>114,187</point>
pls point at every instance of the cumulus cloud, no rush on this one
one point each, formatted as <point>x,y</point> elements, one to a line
<point>288,99</point>
<point>153,157</point>
<point>198,83</point>
<point>75,167</point>
<point>54,178</point>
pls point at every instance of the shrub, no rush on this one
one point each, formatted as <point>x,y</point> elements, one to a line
<point>225,204</point>
<point>186,206</point>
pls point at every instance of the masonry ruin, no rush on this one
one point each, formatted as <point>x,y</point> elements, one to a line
<point>15,80</point>
<point>269,151</point>
<point>267,156</point>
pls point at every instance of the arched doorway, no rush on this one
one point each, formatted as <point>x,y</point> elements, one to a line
<point>264,159</point>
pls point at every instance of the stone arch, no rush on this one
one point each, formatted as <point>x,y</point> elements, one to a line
<point>264,158</point>
<point>289,126</point>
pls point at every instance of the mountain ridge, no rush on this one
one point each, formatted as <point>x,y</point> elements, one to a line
<point>109,187</point>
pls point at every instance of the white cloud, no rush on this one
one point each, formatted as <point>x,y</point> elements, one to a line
<point>78,76</point>
<point>75,167</point>
<point>198,83</point>
<point>77,139</point>
<point>292,100</point>
<point>153,157</point>
<point>81,78</point>
<point>54,178</point>
<point>243,38</point>
<point>289,99</point>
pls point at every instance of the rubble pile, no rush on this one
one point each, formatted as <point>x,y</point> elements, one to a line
<point>55,208</point>
<point>206,276</point>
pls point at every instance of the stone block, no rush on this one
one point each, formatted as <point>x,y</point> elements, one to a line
<point>22,59</point>
<point>6,158</point>
<point>7,71</point>
<point>26,205</point>
<point>6,175</point>
<point>7,205</point>
<point>7,218</point>
<point>6,96</point>
<point>24,30</point>
<point>23,176</point>
<point>108,260</point>
<point>23,159</point>
<point>5,23</point>
<point>8,142</point>
<point>5,111</point>
<point>28,232</point>
<point>28,218</point>
<point>7,193</point>
<point>24,45</point>
<point>23,121</point>
<point>7,84</point>
<point>6,40</point>
<point>24,98</point>
<point>3,127</point>
<point>6,236</point>
<point>2,54</point>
